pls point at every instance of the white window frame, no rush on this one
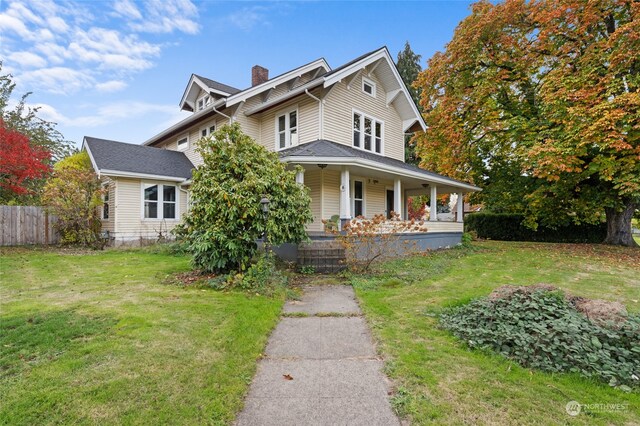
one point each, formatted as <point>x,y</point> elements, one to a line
<point>185,146</point>
<point>353,195</point>
<point>287,129</point>
<point>161,202</point>
<point>373,132</point>
<point>206,130</point>
<point>105,200</point>
<point>205,100</point>
<point>370,83</point>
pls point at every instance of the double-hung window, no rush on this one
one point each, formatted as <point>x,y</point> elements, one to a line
<point>160,201</point>
<point>367,133</point>
<point>287,129</point>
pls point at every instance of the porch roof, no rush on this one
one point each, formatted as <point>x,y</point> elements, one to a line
<point>327,152</point>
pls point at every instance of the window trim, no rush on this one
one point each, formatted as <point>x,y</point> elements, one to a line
<point>286,113</point>
<point>186,145</point>
<point>144,185</point>
<point>371,83</point>
<point>373,132</point>
<point>353,195</point>
<point>204,104</point>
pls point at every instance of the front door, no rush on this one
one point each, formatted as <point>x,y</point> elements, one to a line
<point>390,207</point>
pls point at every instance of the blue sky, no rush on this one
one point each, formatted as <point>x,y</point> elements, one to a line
<point>117,69</point>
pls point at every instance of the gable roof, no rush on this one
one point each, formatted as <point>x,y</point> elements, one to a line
<point>397,91</point>
<point>124,159</point>
<point>324,149</point>
<point>216,85</point>
<point>197,83</point>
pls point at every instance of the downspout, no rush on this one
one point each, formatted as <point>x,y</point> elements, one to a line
<point>320,113</point>
<point>213,108</point>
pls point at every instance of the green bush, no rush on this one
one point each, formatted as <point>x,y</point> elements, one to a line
<point>262,276</point>
<point>540,329</point>
<point>509,227</point>
<point>225,218</point>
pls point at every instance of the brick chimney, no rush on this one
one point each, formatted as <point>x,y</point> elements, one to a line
<point>259,75</point>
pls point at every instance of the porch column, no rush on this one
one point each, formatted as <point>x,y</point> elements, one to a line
<point>397,197</point>
<point>433,213</point>
<point>345,196</point>
<point>300,177</point>
<point>460,207</point>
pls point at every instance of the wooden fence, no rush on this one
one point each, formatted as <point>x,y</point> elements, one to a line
<point>21,225</point>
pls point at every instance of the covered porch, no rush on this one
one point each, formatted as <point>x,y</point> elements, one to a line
<point>345,187</point>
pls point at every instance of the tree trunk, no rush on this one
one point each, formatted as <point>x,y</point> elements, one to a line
<point>619,226</point>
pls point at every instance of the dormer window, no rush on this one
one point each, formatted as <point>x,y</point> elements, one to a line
<point>204,102</point>
<point>183,143</point>
<point>369,87</point>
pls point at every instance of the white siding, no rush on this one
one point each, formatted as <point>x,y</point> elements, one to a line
<point>331,194</point>
<point>130,226</point>
<point>313,179</point>
<point>338,115</point>
<point>308,121</point>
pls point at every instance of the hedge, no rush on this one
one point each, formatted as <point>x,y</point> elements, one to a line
<point>509,227</point>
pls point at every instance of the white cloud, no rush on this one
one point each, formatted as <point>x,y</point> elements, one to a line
<point>106,114</point>
<point>27,60</point>
<point>248,17</point>
<point>82,54</point>
<point>59,80</point>
<point>127,9</point>
<point>111,86</point>
<point>160,16</point>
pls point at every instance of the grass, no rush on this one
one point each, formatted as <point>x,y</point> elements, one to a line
<point>97,338</point>
<point>440,381</point>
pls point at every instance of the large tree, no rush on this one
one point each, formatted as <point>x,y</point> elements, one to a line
<point>42,136</point>
<point>225,218</point>
<point>409,67</point>
<point>538,102</point>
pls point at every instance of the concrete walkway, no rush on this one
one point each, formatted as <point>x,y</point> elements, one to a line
<point>320,369</point>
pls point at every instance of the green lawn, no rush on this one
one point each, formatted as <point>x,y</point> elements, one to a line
<point>440,381</point>
<point>97,338</point>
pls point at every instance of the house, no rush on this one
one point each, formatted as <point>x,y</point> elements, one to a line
<point>345,126</point>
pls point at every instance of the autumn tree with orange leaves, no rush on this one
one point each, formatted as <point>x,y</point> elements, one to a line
<point>538,103</point>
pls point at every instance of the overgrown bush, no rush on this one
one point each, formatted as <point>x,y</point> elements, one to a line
<point>509,227</point>
<point>73,193</point>
<point>542,330</point>
<point>225,218</point>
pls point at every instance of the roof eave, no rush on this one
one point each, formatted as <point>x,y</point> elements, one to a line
<point>355,161</point>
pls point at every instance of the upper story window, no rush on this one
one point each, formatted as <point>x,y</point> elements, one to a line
<point>183,143</point>
<point>287,129</point>
<point>203,102</point>
<point>207,130</point>
<point>367,133</point>
<point>369,87</point>
<point>159,201</point>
